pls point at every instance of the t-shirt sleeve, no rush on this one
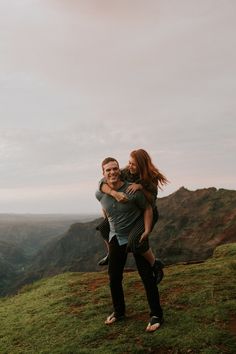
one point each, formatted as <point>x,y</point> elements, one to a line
<point>98,195</point>
<point>100,183</point>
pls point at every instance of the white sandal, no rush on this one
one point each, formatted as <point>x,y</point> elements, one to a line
<point>154,323</point>
<point>112,318</point>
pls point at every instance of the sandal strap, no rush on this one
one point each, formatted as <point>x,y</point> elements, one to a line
<point>113,318</point>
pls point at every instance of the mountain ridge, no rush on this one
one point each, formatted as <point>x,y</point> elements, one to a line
<point>190,220</point>
<point>190,226</point>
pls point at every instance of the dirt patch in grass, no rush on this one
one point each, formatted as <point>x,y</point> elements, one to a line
<point>75,309</point>
<point>111,336</point>
<point>232,325</point>
<point>139,316</point>
<point>137,285</point>
<point>129,270</point>
<point>162,351</point>
<point>90,284</point>
<point>93,285</point>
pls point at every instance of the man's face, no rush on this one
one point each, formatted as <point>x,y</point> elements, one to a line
<point>111,172</point>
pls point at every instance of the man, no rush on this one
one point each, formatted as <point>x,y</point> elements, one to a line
<point>122,217</point>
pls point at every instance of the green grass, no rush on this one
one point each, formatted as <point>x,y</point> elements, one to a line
<point>65,314</point>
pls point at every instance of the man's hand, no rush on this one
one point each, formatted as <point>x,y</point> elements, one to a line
<point>119,196</point>
<point>144,236</point>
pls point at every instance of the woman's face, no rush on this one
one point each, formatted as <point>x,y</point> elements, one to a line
<point>133,168</point>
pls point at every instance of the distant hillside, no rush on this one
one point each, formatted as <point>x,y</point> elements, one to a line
<point>191,225</point>
<point>12,260</point>
<point>65,314</point>
<point>77,250</point>
<point>31,232</point>
<point>22,236</point>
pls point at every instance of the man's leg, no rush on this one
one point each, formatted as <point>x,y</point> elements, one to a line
<point>145,271</point>
<point>104,229</point>
<point>117,259</point>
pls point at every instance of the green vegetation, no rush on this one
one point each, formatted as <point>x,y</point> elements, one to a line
<point>65,314</point>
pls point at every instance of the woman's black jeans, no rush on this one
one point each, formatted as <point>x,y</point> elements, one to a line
<point>117,260</point>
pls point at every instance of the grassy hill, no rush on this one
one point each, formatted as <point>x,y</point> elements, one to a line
<point>65,314</point>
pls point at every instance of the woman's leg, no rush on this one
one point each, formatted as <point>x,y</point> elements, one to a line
<point>104,229</point>
<point>143,248</point>
<point>149,255</point>
<point>133,239</point>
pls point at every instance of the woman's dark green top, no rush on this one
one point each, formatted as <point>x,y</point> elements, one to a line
<point>151,187</point>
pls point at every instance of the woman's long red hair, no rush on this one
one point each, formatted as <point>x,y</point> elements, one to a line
<point>148,172</point>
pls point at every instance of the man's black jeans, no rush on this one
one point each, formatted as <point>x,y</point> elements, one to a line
<point>117,259</point>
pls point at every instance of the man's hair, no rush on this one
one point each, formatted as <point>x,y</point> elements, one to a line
<point>107,160</point>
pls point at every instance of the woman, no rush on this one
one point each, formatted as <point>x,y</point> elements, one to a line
<point>143,175</point>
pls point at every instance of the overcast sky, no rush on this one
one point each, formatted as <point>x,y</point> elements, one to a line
<point>81,80</point>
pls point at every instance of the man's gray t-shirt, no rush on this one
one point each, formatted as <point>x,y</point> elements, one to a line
<point>122,216</point>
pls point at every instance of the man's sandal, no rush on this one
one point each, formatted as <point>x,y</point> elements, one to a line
<point>113,318</point>
<point>154,323</point>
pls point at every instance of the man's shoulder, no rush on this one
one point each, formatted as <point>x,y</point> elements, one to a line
<point>99,195</point>
<point>124,174</point>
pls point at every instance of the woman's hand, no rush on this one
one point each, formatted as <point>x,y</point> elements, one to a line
<point>119,196</point>
<point>134,187</point>
<point>144,236</point>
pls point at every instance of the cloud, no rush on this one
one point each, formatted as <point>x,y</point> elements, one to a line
<point>84,80</point>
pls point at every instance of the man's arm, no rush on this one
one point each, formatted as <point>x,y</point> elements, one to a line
<point>104,213</point>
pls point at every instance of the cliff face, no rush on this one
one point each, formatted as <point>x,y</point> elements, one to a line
<point>12,260</point>
<point>190,226</point>
<point>77,250</point>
